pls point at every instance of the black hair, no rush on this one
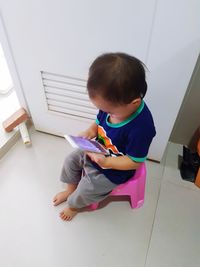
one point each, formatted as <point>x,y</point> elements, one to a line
<point>117,77</point>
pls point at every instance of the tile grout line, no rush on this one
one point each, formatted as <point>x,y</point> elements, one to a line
<point>183,186</point>
<point>153,223</point>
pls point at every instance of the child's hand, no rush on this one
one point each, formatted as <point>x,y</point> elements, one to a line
<point>100,159</point>
<point>86,134</point>
<point>91,132</point>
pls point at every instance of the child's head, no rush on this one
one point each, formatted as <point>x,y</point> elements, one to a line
<point>117,78</point>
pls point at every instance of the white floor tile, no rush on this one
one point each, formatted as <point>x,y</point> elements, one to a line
<point>31,232</point>
<point>175,238</point>
<point>171,170</point>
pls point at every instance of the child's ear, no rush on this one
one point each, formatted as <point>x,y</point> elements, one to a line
<point>136,101</point>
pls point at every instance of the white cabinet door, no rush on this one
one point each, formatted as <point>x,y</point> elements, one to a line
<point>54,42</point>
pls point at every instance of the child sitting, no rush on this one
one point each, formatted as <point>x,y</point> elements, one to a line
<point>124,125</point>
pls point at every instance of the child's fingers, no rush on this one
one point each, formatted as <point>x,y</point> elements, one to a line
<point>90,155</point>
<point>94,156</point>
<point>98,158</point>
<point>85,135</point>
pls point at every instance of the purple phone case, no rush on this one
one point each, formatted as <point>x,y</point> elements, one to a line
<point>88,145</point>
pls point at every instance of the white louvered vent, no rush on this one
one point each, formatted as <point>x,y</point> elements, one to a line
<point>67,95</point>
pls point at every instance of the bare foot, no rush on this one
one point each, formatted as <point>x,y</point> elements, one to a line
<point>62,196</point>
<point>68,213</point>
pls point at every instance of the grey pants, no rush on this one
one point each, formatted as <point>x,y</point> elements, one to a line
<point>93,186</point>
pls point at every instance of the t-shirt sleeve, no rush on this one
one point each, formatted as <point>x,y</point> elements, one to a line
<point>138,147</point>
<point>99,117</point>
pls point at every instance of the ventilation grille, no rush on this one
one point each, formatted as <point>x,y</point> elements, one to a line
<point>67,95</point>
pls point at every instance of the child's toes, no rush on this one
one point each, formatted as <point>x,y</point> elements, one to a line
<point>62,215</point>
<point>54,200</point>
<point>65,217</point>
<point>67,214</point>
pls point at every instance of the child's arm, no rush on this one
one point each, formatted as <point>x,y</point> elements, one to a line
<point>116,163</point>
<point>91,132</point>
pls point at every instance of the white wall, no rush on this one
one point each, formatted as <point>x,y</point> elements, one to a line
<point>173,53</point>
<point>189,111</point>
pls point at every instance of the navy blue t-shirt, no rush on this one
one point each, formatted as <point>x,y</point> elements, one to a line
<point>131,137</point>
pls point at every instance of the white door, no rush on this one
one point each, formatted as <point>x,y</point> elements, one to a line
<point>54,42</point>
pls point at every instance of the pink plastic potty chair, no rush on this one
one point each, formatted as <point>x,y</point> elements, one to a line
<point>135,188</point>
